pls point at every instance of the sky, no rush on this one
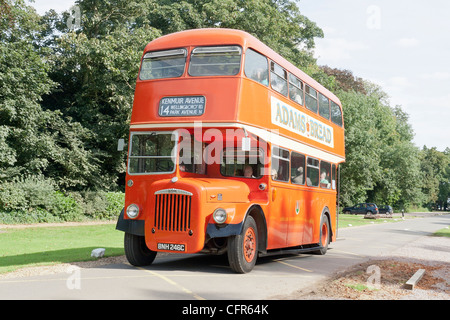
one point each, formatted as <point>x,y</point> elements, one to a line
<point>401,45</point>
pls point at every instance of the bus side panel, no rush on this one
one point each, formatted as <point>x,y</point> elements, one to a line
<point>278,219</point>
<point>297,216</point>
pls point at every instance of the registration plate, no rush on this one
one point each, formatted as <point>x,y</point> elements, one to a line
<point>171,247</point>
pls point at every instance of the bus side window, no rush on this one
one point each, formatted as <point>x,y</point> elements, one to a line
<point>297,168</point>
<point>280,164</point>
<point>190,154</point>
<point>333,177</point>
<point>311,98</point>
<point>295,89</point>
<point>336,114</point>
<point>325,175</point>
<point>256,67</point>
<point>324,106</point>
<point>312,172</point>
<point>278,78</point>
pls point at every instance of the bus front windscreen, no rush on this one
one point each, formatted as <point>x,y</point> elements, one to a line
<point>215,61</point>
<point>163,64</point>
<point>152,152</point>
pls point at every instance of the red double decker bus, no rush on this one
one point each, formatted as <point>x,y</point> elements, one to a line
<point>232,149</point>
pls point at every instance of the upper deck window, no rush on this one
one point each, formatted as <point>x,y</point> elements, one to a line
<point>336,114</point>
<point>163,64</point>
<point>324,106</point>
<point>311,98</point>
<point>295,89</point>
<point>256,67</point>
<point>215,61</point>
<point>278,78</point>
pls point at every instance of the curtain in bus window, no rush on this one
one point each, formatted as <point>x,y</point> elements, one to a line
<point>163,64</point>
<point>215,61</point>
<point>256,67</point>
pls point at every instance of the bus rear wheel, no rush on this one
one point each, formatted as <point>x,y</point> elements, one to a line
<point>324,235</point>
<point>136,251</point>
<point>243,248</point>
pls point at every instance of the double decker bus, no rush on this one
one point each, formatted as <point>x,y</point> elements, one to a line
<point>232,149</point>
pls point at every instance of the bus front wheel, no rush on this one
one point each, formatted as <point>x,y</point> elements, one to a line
<point>136,251</point>
<point>243,248</point>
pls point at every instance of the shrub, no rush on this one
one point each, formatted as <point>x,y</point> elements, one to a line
<point>35,199</point>
<point>100,204</point>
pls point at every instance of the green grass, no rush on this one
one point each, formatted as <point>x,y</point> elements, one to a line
<point>443,232</point>
<point>51,245</point>
<point>350,220</point>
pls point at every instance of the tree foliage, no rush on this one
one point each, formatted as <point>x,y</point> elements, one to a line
<point>66,95</point>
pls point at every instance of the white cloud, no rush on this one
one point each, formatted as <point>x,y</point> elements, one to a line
<point>43,6</point>
<point>399,81</point>
<point>337,49</point>
<point>408,42</point>
<point>438,75</point>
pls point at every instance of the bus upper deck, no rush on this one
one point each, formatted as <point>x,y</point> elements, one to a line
<point>228,78</point>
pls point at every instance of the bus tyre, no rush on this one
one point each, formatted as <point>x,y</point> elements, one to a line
<point>136,251</point>
<point>243,248</point>
<point>324,235</point>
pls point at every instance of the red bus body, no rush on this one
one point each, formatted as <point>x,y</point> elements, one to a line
<point>175,207</point>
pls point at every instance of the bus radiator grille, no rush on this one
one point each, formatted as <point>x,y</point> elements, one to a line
<point>172,212</point>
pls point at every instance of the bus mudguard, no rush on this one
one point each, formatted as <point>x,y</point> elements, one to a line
<point>136,227</point>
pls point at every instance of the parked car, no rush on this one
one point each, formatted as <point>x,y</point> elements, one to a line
<point>362,208</point>
<point>385,209</point>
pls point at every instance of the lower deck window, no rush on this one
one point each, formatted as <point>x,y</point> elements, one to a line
<point>312,172</point>
<point>152,152</point>
<point>238,163</point>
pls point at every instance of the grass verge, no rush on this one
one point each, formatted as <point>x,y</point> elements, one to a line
<point>351,220</point>
<point>52,245</point>
<point>443,232</point>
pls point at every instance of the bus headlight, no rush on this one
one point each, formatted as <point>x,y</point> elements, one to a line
<point>132,211</point>
<point>220,215</point>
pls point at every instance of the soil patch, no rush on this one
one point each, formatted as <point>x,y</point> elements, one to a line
<point>383,280</point>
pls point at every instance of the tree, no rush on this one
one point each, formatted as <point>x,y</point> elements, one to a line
<point>96,65</point>
<point>34,141</point>
<point>434,165</point>
<point>277,23</point>
<point>382,163</point>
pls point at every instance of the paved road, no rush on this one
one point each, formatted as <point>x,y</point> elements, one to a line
<point>198,277</point>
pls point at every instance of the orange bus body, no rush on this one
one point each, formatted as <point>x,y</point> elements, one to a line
<point>176,208</point>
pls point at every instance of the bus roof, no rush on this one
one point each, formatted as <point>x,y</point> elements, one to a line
<point>220,36</point>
